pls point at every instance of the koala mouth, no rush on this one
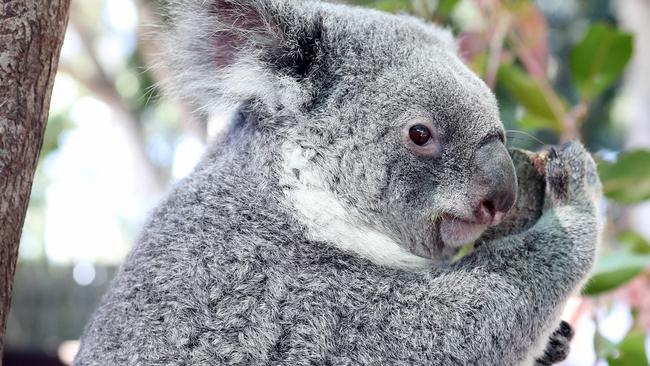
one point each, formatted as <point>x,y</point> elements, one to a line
<point>456,232</point>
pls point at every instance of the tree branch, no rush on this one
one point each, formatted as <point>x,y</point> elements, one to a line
<point>31,32</point>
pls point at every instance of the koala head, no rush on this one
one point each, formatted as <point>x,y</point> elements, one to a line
<point>389,145</point>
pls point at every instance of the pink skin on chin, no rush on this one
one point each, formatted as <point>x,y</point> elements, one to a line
<point>456,233</point>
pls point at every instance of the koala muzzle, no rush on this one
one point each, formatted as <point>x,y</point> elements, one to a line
<point>494,184</point>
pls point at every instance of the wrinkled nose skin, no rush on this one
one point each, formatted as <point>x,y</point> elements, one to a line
<point>494,183</point>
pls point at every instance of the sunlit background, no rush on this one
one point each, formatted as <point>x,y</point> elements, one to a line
<point>560,68</point>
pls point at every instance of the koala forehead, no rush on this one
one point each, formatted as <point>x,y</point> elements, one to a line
<point>432,84</point>
<point>391,68</point>
<point>436,86</point>
<point>376,38</point>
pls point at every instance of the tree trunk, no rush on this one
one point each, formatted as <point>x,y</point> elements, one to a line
<point>31,34</point>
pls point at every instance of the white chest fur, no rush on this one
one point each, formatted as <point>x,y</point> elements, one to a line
<point>327,218</point>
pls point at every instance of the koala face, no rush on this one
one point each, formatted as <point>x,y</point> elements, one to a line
<point>413,142</point>
<point>429,163</point>
<point>389,142</point>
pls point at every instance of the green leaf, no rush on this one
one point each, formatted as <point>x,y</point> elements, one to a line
<point>634,242</point>
<point>615,269</point>
<point>628,179</point>
<point>392,6</point>
<point>446,7</point>
<point>464,251</point>
<point>599,59</point>
<point>533,122</point>
<point>57,124</point>
<point>631,351</point>
<point>526,92</point>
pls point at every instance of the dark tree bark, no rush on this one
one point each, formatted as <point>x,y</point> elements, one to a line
<point>31,34</point>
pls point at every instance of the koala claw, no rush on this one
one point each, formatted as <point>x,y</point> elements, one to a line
<point>571,175</point>
<point>558,346</point>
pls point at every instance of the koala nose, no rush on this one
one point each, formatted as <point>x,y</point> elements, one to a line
<point>495,183</point>
<point>495,207</point>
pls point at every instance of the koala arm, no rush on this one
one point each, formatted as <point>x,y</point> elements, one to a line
<point>498,305</point>
<point>530,170</point>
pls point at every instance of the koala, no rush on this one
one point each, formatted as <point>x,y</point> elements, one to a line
<point>319,228</point>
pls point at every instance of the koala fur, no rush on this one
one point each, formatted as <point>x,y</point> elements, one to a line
<point>526,211</point>
<point>309,235</point>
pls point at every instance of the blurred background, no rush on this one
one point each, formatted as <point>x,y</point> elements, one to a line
<point>561,69</point>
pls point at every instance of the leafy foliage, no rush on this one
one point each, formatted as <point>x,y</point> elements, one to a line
<point>631,351</point>
<point>539,112</point>
<point>633,242</point>
<point>614,270</point>
<point>599,59</point>
<point>628,179</point>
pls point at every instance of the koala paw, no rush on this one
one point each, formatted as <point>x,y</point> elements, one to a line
<point>571,175</point>
<point>558,346</point>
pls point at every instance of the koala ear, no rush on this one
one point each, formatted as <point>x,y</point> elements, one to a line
<point>230,51</point>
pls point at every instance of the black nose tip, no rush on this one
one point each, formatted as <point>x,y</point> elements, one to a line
<point>499,200</point>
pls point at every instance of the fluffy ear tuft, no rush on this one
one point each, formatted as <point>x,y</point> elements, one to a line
<point>230,51</point>
<point>238,25</point>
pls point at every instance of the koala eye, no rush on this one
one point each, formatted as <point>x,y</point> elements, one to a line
<point>419,134</point>
<point>421,138</point>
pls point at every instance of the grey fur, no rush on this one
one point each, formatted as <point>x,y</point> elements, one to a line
<point>231,269</point>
